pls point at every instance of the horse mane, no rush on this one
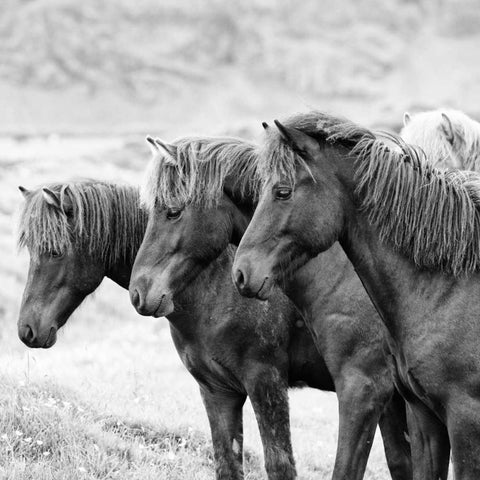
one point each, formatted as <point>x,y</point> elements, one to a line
<point>430,215</point>
<point>203,166</point>
<point>278,160</point>
<point>425,130</point>
<point>105,220</point>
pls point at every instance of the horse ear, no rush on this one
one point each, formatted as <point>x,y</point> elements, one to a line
<point>51,198</point>
<point>67,204</point>
<point>406,119</point>
<point>447,128</point>
<point>265,125</point>
<point>24,191</point>
<point>169,150</point>
<point>299,141</point>
<point>153,145</point>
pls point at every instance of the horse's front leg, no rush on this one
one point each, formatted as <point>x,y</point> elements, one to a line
<point>394,428</point>
<point>267,389</point>
<point>224,410</point>
<point>359,410</point>
<point>429,442</point>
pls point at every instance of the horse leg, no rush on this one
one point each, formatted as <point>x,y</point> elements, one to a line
<point>359,412</point>
<point>429,443</point>
<point>464,430</point>
<point>224,412</point>
<point>394,429</point>
<point>268,393</point>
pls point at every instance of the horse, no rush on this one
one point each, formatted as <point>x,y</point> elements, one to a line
<point>449,137</point>
<point>79,232</point>
<point>201,194</point>
<point>412,233</point>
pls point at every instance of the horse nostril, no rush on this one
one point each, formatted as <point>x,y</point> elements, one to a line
<point>239,278</point>
<point>27,334</point>
<point>135,298</point>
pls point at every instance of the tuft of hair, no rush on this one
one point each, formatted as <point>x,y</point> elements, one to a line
<point>277,160</point>
<point>99,218</point>
<point>432,216</point>
<point>425,129</point>
<point>203,167</point>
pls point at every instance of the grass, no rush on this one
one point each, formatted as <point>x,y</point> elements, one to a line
<point>50,434</point>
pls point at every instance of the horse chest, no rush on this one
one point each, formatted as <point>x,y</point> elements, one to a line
<point>417,382</point>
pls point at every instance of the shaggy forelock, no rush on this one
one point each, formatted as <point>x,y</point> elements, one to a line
<point>278,161</point>
<point>106,221</point>
<point>202,167</point>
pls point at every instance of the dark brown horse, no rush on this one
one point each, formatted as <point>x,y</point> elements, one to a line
<point>78,233</point>
<point>201,195</point>
<point>412,233</point>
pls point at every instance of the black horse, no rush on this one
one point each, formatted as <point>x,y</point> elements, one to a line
<point>201,196</point>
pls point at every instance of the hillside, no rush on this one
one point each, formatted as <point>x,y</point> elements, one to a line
<point>122,66</point>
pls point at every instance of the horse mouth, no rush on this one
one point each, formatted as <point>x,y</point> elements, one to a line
<point>51,339</point>
<point>164,307</point>
<point>264,291</point>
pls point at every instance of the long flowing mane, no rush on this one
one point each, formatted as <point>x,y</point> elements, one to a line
<point>430,215</point>
<point>202,168</point>
<point>104,220</point>
<point>425,130</point>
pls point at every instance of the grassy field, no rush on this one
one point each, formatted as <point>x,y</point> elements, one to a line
<point>111,399</point>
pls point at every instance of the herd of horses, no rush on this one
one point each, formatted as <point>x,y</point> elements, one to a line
<point>356,272</point>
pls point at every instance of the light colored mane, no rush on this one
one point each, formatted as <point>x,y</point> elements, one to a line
<point>431,216</point>
<point>203,166</point>
<point>105,221</point>
<point>425,130</point>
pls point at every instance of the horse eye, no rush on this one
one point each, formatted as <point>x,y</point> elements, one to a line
<point>55,254</point>
<point>283,193</point>
<point>174,213</point>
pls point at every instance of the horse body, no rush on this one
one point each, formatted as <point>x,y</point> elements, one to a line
<point>333,303</point>
<point>216,331</point>
<point>435,329</point>
<point>353,341</point>
<point>403,225</point>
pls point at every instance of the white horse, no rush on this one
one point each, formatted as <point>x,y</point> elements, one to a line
<point>449,135</point>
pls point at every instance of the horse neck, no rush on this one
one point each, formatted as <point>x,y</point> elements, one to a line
<point>317,285</point>
<point>394,284</point>
<point>120,271</point>
<point>195,303</point>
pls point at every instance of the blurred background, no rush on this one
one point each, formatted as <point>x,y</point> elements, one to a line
<point>81,84</point>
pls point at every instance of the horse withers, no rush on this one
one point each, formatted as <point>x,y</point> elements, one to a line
<point>201,194</point>
<point>79,232</point>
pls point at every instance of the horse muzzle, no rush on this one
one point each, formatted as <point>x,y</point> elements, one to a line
<point>149,301</point>
<point>249,283</point>
<point>35,338</point>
